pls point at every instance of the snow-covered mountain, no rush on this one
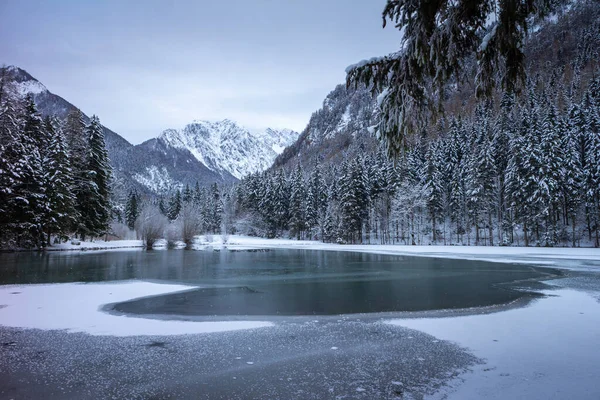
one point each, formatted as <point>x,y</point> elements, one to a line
<point>225,147</point>
<point>203,152</point>
<point>338,130</point>
<point>49,103</point>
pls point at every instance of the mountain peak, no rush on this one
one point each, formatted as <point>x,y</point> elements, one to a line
<point>225,146</point>
<point>24,82</point>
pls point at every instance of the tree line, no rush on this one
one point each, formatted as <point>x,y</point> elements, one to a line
<point>521,172</point>
<point>182,216</point>
<point>54,175</point>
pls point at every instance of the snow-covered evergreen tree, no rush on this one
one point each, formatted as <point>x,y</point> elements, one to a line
<point>94,201</point>
<point>31,200</point>
<point>297,208</point>
<point>174,206</point>
<point>58,180</point>
<point>132,209</point>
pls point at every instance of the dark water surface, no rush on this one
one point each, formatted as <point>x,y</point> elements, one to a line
<point>281,282</point>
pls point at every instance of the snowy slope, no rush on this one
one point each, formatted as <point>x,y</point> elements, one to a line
<point>48,103</point>
<point>202,152</point>
<point>338,130</point>
<point>225,146</point>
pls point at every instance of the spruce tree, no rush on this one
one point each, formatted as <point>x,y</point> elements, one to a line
<point>437,40</point>
<point>174,206</point>
<point>353,200</point>
<point>433,184</point>
<point>297,203</point>
<point>58,181</point>
<point>132,209</point>
<point>216,209</point>
<point>94,201</point>
<point>281,192</point>
<point>32,199</point>
<point>13,157</point>
<point>187,195</point>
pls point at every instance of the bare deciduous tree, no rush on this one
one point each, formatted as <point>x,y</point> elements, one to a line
<point>150,224</point>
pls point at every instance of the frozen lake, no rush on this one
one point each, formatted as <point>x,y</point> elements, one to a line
<point>283,282</point>
<point>298,324</point>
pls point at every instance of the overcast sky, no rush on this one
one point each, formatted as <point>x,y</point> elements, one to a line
<point>145,66</point>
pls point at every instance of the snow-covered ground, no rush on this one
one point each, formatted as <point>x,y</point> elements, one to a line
<point>76,307</point>
<point>545,350</point>
<point>563,257</point>
<point>96,245</point>
<point>548,350</point>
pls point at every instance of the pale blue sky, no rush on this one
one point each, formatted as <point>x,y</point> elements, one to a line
<point>144,66</point>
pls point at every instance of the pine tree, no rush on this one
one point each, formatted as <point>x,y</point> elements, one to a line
<point>197,194</point>
<point>216,208</point>
<point>353,200</point>
<point>94,201</point>
<point>162,206</point>
<point>435,190</point>
<point>316,200</point>
<point>174,206</point>
<point>297,208</point>
<point>265,191</point>
<point>75,133</point>
<point>551,172</point>
<point>281,201</point>
<point>330,233</point>
<point>58,182</point>
<point>457,175</point>
<point>481,174</point>
<point>13,156</point>
<point>132,209</point>
<point>503,131</point>
<point>591,170</point>
<point>187,194</point>
<point>437,40</point>
<point>31,200</point>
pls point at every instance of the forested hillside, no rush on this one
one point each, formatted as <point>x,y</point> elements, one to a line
<point>518,169</point>
<point>54,175</point>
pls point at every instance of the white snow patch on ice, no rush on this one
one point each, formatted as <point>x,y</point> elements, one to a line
<point>544,351</point>
<point>75,307</point>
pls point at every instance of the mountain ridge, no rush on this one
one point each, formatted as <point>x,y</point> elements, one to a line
<point>174,158</point>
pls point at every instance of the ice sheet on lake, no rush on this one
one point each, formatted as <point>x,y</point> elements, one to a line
<point>547,350</point>
<point>76,307</point>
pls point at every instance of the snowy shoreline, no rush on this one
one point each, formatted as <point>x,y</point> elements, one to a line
<point>560,257</point>
<point>512,339</point>
<point>83,246</point>
<point>51,307</point>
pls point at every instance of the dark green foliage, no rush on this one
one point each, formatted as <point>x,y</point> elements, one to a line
<point>58,181</point>
<point>132,209</point>
<point>174,206</point>
<point>527,174</point>
<point>438,40</point>
<point>94,200</point>
<point>54,181</point>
